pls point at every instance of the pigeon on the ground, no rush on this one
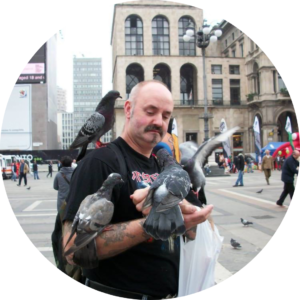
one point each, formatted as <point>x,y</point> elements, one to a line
<point>235,244</point>
<point>100,122</point>
<point>94,214</point>
<point>259,191</point>
<point>245,222</point>
<point>29,188</point>
<point>194,157</point>
<point>166,192</point>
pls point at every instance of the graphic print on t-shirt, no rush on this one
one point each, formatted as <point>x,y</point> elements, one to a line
<point>147,179</point>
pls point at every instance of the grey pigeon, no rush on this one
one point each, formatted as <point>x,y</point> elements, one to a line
<point>94,214</point>
<point>235,244</point>
<point>194,157</point>
<point>245,222</point>
<point>100,122</point>
<point>166,192</point>
<point>259,191</point>
<point>29,188</point>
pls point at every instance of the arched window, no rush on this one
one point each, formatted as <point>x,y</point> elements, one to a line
<point>186,48</point>
<point>134,36</point>
<point>162,73</point>
<point>187,88</point>
<point>134,75</point>
<point>256,79</point>
<point>160,36</point>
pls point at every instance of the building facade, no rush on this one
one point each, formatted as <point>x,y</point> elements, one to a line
<point>61,100</point>
<point>147,43</point>
<point>65,132</point>
<point>87,89</point>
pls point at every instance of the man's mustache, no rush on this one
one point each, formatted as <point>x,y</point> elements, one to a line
<point>153,127</point>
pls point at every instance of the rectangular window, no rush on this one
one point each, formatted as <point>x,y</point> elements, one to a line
<point>242,50</point>
<point>274,81</point>
<point>233,36</point>
<point>233,52</point>
<point>191,136</point>
<point>216,69</point>
<point>238,140</point>
<point>235,92</point>
<point>225,43</point>
<point>234,69</point>
<point>281,84</point>
<point>217,91</point>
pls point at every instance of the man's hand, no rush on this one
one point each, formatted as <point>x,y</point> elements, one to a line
<point>192,215</point>
<point>138,198</point>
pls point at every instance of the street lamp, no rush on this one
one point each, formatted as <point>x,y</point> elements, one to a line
<point>204,37</point>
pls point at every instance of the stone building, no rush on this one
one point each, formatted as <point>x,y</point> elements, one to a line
<point>147,43</point>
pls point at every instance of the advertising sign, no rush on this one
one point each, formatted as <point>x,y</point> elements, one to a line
<point>16,130</point>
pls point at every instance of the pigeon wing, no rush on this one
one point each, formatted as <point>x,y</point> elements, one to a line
<point>91,127</point>
<point>205,150</point>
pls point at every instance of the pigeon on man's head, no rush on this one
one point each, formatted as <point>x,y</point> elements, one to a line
<point>166,192</point>
<point>245,222</point>
<point>100,122</point>
<point>194,157</point>
<point>235,244</point>
<point>94,214</point>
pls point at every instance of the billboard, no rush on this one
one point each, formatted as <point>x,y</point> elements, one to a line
<point>35,70</point>
<point>16,130</point>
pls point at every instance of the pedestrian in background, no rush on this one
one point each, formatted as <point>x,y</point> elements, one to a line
<point>267,165</point>
<point>50,169</point>
<point>35,171</point>
<point>14,171</point>
<point>289,169</point>
<point>240,165</point>
<point>24,169</point>
<point>62,180</point>
<point>278,163</point>
<point>74,165</point>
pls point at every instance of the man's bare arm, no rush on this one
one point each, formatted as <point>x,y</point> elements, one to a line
<point>117,239</point>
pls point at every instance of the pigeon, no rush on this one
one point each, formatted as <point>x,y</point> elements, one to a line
<point>194,157</point>
<point>166,192</point>
<point>259,191</point>
<point>94,214</point>
<point>245,222</point>
<point>29,188</point>
<point>235,244</point>
<point>100,122</point>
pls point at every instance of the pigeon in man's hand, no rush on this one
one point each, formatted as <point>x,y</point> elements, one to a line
<point>100,122</point>
<point>166,192</point>
<point>193,157</point>
<point>235,244</point>
<point>258,192</point>
<point>245,222</point>
<point>94,214</point>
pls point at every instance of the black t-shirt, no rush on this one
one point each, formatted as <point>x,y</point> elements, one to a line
<point>148,268</point>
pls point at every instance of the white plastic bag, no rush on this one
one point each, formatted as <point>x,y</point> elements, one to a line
<point>198,260</point>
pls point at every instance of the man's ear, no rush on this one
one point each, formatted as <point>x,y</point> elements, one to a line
<point>127,109</point>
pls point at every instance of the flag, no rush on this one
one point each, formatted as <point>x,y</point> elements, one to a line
<point>288,129</point>
<point>226,144</point>
<point>173,130</point>
<point>191,95</point>
<point>256,130</point>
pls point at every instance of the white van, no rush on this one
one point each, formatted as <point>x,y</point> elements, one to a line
<point>5,164</point>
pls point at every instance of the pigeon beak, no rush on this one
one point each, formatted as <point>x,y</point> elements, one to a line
<point>120,97</point>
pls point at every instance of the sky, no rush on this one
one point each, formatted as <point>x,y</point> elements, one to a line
<point>90,41</point>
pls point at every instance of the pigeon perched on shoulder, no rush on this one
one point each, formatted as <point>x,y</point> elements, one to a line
<point>100,122</point>
<point>194,157</point>
<point>245,222</point>
<point>235,244</point>
<point>166,192</point>
<point>94,214</point>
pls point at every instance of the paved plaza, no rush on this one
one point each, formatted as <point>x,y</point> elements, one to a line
<point>35,210</point>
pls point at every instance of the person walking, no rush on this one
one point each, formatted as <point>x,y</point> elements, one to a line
<point>14,171</point>
<point>240,165</point>
<point>289,169</point>
<point>50,169</point>
<point>62,180</point>
<point>35,171</point>
<point>24,169</point>
<point>267,165</point>
<point>249,165</point>
<point>278,162</point>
